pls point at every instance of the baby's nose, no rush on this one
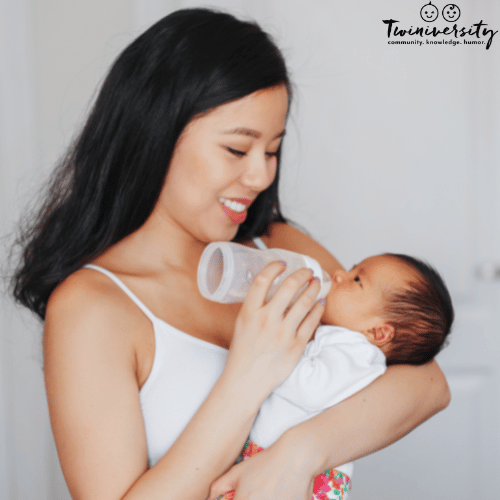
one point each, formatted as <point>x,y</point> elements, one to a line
<point>337,277</point>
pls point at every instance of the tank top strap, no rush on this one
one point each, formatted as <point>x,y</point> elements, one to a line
<point>125,288</point>
<point>260,244</point>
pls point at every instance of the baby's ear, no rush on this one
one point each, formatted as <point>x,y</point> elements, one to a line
<point>381,334</point>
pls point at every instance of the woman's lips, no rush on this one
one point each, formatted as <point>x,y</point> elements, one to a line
<point>232,208</point>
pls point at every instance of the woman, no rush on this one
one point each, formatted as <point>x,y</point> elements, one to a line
<point>182,148</point>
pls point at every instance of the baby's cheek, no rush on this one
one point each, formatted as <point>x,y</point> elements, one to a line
<point>328,317</point>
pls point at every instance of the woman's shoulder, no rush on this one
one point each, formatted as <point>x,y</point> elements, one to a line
<point>92,381</point>
<point>286,233</point>
<point>85,291</point>
<point>289,237</point>
<point>88,307</point>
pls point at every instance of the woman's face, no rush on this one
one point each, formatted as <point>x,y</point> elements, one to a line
<point>221,162</point>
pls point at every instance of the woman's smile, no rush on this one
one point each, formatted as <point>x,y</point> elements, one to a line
<point>221,162</point>
<point>235,208</point>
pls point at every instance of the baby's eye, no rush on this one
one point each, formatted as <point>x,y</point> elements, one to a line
<point>236,152</point>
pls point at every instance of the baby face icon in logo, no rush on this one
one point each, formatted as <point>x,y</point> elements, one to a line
<point>429,12</point>
<point>451,12</point>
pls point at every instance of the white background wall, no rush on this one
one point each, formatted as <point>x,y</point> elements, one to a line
<point>52,56</point>
<point>389,149</point>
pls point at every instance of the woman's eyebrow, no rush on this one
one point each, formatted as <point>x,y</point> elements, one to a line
<point>249,132</point>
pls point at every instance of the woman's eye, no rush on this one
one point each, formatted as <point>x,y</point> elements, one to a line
<point>236,152</point>
<point>272,154</point>
<point>357,280</point>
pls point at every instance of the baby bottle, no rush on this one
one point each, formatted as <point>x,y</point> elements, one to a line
<point>226,270</point>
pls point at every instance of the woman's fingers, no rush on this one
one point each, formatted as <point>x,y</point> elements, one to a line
<point>299,310</point>
<point>263,476</point>
<point>289,289</point>
<point>258,291</point>
<point>286,292</point>
<point>269,338</point>
<point>310,323</point>
<point>225,483</point>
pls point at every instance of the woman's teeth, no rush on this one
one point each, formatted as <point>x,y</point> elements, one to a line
<point>235,206</point>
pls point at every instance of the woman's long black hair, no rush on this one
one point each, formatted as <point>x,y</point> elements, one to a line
<point>110,179</point>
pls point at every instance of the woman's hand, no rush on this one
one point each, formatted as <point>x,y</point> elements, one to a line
<point>105,457</point>
<point>371,419</point>
<point>270,338</point>
<point>266,476</point>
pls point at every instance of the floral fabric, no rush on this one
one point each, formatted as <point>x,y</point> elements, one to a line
<point>331,485</point>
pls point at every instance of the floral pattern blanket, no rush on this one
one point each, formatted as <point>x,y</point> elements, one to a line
<point>331,485</point>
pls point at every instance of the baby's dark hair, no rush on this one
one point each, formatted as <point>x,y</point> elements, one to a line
<point>421,314</point>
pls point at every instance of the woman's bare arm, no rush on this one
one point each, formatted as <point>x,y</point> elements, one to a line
<point>384,411</point>
<point>425,385</point>
<point>397,402</point>
<point>93,393</point>
<point>291,238</point>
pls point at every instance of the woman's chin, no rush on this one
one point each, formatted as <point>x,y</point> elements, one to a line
<point>221,233</point>
<point>228,233</point>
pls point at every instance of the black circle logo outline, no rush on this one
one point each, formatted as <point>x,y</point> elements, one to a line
<point>453,7</point>
<point>430,6</point>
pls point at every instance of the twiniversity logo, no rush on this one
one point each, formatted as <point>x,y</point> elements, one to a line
<point>477,34</point>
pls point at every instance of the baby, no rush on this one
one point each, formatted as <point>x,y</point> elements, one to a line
<point>388,309</point>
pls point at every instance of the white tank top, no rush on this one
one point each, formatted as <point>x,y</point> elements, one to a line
<point>185,369</point>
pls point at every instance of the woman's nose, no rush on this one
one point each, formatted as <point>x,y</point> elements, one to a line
<point>259,173</point>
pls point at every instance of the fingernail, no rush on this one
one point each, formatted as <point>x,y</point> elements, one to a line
<point>322,302</point>
<point>282,262</point>
<point>315,278</point>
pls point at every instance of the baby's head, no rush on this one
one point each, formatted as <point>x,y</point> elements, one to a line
<point>398,302</point>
